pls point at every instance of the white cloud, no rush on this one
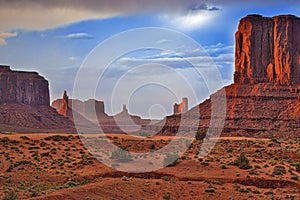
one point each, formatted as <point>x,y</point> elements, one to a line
<point>72,58</point>
<point>195,16</point>
<point>78,36</point>
<point>4,35</point>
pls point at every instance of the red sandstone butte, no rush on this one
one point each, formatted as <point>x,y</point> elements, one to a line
<point>268,50</point>
<point>264,99</point>
<point>23,87</point>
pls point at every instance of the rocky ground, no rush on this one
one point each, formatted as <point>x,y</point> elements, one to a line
<point>50,166</point>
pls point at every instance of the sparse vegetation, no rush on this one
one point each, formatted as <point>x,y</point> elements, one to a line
<point>201,133</point>
<point>242,162</point>
<point>279,170</point>
<point>10,195</point>
<point>121,155</point>
<point>62,159</point>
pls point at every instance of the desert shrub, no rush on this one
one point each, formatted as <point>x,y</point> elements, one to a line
<point>22,162</point>
<point>298,167</point>
<point>165,178</point>
<point>24,138</point>
<point>295,177</point>
<point>270,192</point>
<point>201,133</point>
<point>223,166</point>
<point>42,144</point>
<point>45,154</point>
<point>171,159</point>
<point>53,151</point>
<point>34,193</point>
<point>167,196</point>
<point>279,170</point>
<point>85,160</point>
<point>210,189</point>
<point>71,184</point>
<point>205,163</point>
<point>145,134</point>
<point>121,155</point>
<point>10,195</point>
<point>4,140</point>
<point>57,138</point>
<point>33,147</point>
<point>242,162</point>
<point>274,140</point>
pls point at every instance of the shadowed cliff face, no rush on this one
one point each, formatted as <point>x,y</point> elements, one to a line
<point>268,50</point>
<point>23,87</point>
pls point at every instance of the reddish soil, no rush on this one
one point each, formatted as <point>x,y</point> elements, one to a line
<point>31,168</point>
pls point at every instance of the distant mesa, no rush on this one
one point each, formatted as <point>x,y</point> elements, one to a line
<point>181,107</point>
<point>88,115</point>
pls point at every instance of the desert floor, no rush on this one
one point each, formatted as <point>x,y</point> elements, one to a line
<point>58,166</point>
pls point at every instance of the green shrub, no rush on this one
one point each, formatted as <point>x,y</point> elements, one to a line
<point>167,196</point>
<point>121,155</point>
<point>242,162</point>
<point>42,144</point>
<point>294,177</point>
<point>201,133</point>
<point>45,154</point>
<point>210,189</point>
<point>57,138</point>
<point>24,138</point>
<point>279,170</point>
<point>298,167</point>
<point>4,140</point>
<point>10,195</point>
<point>223,166</point>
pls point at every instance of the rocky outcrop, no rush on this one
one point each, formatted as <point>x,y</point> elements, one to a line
<point>27,88</point>
<point>182,107</point>
<point>88,115</point>
<point>268,50</point>
<point>64,105</point>
<point>264,99</point>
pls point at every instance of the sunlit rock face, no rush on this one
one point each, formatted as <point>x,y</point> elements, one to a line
<point>264,100</point>
<point>268,50</point>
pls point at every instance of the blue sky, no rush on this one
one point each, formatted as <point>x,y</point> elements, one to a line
<point>54,38</point>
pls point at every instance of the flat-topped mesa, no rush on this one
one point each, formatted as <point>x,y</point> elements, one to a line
<point>23,87</point>
<point>268,50</point>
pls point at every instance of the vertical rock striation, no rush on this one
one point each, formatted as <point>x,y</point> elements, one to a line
<point>23,87</point>
<point>268,50</point>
